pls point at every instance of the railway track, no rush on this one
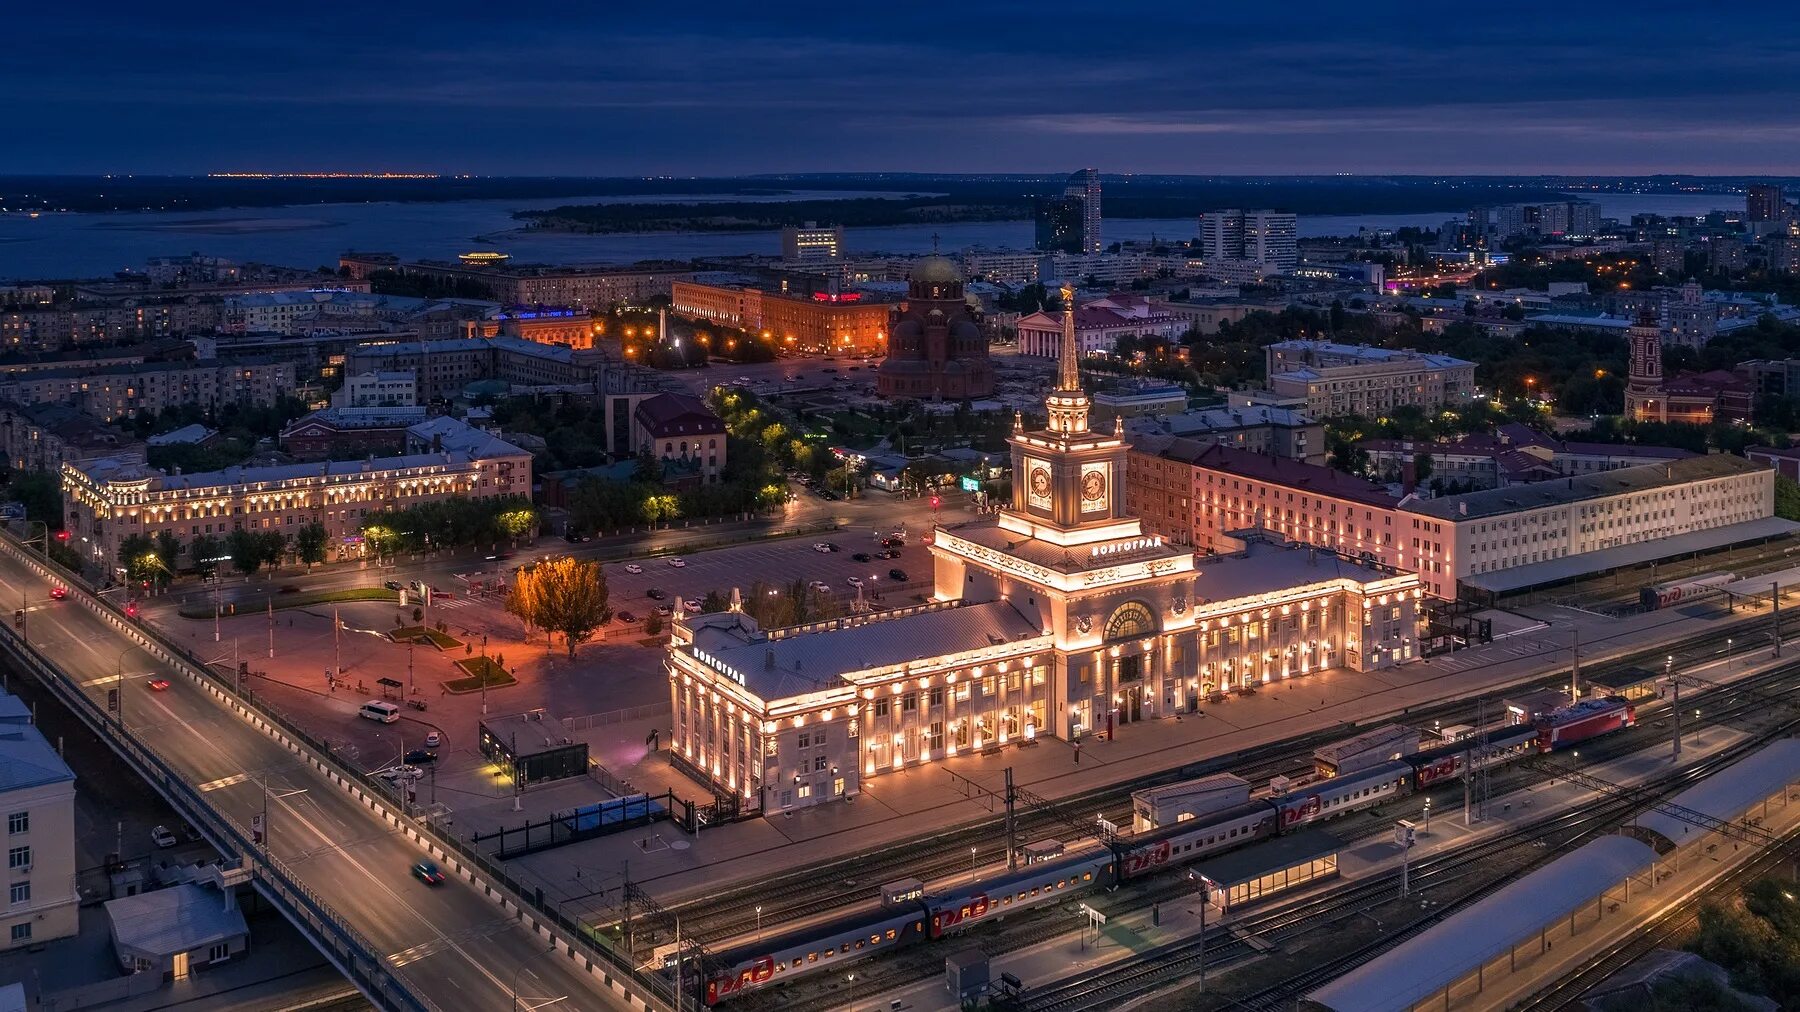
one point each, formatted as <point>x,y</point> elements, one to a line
<point>1553,834</point>
<point>856,879</point>
<point>908,967</point>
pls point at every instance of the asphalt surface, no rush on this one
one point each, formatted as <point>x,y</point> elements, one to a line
<point>457,949</point>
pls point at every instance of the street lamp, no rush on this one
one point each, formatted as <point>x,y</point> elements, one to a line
<point>759,922</point>
<point>971,860</point>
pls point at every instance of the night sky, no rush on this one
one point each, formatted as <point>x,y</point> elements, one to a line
<point>616,87</point>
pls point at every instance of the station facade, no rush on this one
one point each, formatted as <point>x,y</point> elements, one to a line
<point>1058,616</point>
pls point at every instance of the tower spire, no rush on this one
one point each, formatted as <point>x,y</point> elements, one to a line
<point>1068,375</point>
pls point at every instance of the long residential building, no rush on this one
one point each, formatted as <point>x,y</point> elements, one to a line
<point>442,368</point>
<point>1343,379</point>
<point>825,322</point>
<point>121,391</point>
<point>110,499</point>
<point>592,288</point>
<point>1515,455</point>
<point>1204,495</point>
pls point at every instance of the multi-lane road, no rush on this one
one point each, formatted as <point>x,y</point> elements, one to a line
<point>456,948</point>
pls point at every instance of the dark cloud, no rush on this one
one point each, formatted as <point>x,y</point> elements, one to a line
<point>609,88</point>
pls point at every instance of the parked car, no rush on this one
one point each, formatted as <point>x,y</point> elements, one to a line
<point>158,684</point>
<point>162,837</point>
<point>626,617</point>
<point>428,873</point>
<point>898,575</point>
<point>828,495</point>
<point>861,556</point>
<point>633,568</point>
<point>855,581</point>
<point>664,610</point>
<point>394,585</point>
<point>831,546</point>
<point>401,772</point>
<point>655,594</point>
<point>691,607</point>
<point>822,548</point>
<point>891,553</point>
<point>677,562</point>
<point>421,755</point>
<point>433,739</point>
<point>819,585</point>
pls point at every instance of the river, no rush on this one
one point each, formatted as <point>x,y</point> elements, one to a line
<point>96,245</point>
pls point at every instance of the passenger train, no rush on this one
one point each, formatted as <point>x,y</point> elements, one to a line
<point>829,944</point>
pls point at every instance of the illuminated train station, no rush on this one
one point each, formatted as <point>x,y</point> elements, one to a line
<point>1058,616</point>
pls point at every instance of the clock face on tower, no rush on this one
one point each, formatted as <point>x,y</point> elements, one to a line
<point>1037,484</point>
<point>1094,497</point>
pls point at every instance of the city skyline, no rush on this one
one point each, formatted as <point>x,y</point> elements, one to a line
<point>710,90</point>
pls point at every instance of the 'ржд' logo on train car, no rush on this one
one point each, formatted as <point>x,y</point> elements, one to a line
<point>952,916</point>
<point>1297,814</point>
<point>1438,770</point>
<point>756,973</point>
<point>1147,858</point>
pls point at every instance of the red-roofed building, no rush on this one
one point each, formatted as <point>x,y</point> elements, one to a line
<point>684,436</point>
<point>1192,493</point>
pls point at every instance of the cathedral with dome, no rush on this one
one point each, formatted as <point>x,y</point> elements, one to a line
<point>936,349</point>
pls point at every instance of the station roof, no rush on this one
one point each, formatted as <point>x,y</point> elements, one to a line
<point>1730,792</point>
<point>1587,563</point>
<point>1787,579</point>
<point>1423,966</point>
<point>1510,499</point>
<point>807,661</point>
<point>1281,852</point>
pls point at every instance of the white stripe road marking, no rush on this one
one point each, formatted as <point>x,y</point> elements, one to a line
<point>213,785</point>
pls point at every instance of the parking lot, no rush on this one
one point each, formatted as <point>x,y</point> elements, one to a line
<point>776,563</point>
<point>784,375</point>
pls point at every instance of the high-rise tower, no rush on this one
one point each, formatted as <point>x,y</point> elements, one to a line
<point>1085,185</point>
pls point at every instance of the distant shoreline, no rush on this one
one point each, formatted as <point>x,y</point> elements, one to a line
<point>222,226</point>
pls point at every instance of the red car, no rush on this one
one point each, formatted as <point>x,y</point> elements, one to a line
<point>58,593</point>
<point>159,685</point>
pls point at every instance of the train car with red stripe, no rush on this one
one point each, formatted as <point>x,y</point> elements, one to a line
<point>825,946</point>
<point>1169,846</point>
<point>1328,799</point>
<point>1589,718</point>
<point>1033,885</point>
<point>1443,763</point>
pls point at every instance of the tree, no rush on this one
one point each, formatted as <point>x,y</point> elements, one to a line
<point>1421,466</point>
<point>205,552</point>
<point>516,523</point>
<point>137,553</point>
<point>713,603</point>
<point>309,544</point>
<point>168,552</point>
<point>564,595</point>
<point>246,550</point>
<point>272,546</point>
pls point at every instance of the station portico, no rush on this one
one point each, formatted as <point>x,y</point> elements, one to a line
<point>1059,615</point>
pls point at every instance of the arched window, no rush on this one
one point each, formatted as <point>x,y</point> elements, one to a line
<point>1131,619</point>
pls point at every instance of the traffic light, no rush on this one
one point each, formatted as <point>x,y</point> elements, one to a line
<point>62,535</point>
<point>936,502</point>
<point>131,609</point>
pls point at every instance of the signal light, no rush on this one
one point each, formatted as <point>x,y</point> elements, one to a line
<point>62,535</point>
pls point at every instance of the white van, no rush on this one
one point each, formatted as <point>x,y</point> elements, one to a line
<point>375,709</point>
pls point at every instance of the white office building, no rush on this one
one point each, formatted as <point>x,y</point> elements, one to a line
<point>37,797</point>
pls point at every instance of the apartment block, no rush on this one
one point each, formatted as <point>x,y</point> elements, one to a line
<point>111,499</point>
<point>37,798</point>
<point>1341,379</point>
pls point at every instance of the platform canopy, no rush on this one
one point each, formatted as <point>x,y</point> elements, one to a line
<point>1571,567</point>
<point>1728,793</point>
<point>1453,948</point>
<point>1756,586</point>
